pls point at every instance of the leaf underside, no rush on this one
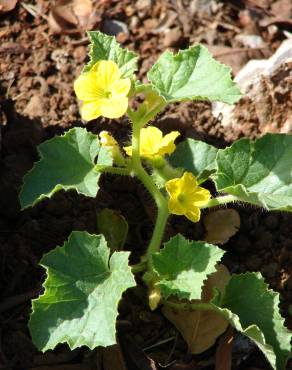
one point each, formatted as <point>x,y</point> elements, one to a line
<point>193,74</point>
<point>195,156</point>
<point>66,162</point>
<point>82,291</point>
<point>258,172</point>
<point>104,47</point>
<point>182,266</point>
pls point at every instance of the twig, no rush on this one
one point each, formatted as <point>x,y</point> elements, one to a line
<point>159,343</point>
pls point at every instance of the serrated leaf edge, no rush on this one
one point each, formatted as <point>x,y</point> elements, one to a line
<point>281,319</point>
<point>228,72</point>
<point>45,285</point>
<point>176,292</point>
<point>113,43</point>
<point>58,187</point>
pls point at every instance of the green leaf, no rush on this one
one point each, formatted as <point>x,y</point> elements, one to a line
<point>114,227</point>
<point>104,47</point>
<point>193,74</point>
<point>253,309</point>
<point>195,156</point>
<point>258,172</point>
<point>183,265</point>
<point>66,162</point>
<point>82,293</point>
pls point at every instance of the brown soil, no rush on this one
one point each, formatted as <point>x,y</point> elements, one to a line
<point>37,72</point>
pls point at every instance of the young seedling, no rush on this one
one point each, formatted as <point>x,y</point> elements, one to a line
<point>85,281</point>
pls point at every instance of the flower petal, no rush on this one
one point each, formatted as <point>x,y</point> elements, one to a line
<point>193,214</point>
<point>176,207</point>
<point>106,139</point>
<point>201,197</point>
<point>87,88</point>
<point>90,110</point>
<point>188,183</point>
<point>128,150</point>
<point>120,87</point>
<point>113,107</point>
<point>150,138</point>
<point>167,145</point>
<point>107,73</point>
<point>173,187</point>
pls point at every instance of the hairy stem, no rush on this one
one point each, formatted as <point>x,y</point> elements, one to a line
<point>114,170</point>
<point>188,305</point>
<point>220,201</point>
<point>160,200</point>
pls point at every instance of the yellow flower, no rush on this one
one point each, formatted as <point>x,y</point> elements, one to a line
<point>153,144</point>
<point>103,92</point>
<point>186,197</point>
<point>106,139</point>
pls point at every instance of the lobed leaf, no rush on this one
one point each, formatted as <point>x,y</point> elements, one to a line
<point>82,292</point>
<point>104,47</point>
<point>66,162</point>
<point>193,74</point>
<point>258,172</point>
<point>195,156</point>
<point>182,266</point>
<point>253,309</point>
<point>200,329</point>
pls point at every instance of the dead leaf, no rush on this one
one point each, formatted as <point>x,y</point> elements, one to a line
<point>221,225</point>
<point>224,351</point>
<point>7,5</point>
<point>72,16</point>
<point>200,329</point>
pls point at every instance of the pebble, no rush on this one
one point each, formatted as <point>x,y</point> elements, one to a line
<point>113,27</point>
<point>172,37</point>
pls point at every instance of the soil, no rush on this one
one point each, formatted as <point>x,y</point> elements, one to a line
<point>38,68</point>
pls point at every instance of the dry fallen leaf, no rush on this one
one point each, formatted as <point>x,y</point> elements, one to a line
<point>224,351</point>
<point>221,225</point>
<point>72,16</point>
<point>7,5</point>
<point>200,329</point>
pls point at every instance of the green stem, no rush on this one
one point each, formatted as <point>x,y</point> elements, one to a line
<point>160,200</point>
<point>193,306</point>
<point>138,267</point>
<point>220,201</point>
<point>114,170</point>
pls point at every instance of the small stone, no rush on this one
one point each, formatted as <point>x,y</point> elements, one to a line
<point>35,107</point>
<point>172,37</point>
<point>79,54</point>
<point>113,28</point>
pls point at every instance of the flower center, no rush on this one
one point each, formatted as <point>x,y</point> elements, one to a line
<point>181,198</point>
<point>107,94</point>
